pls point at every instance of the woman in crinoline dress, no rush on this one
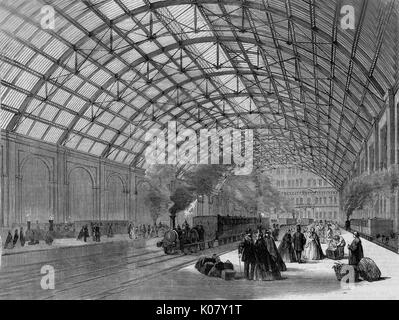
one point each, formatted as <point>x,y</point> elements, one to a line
<point>286,249</point>
<point>313,249</point>
<point>262,260</point>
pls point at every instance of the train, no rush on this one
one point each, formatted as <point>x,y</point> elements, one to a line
<point>223,229</point>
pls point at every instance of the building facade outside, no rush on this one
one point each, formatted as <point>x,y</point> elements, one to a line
<point>308,195</point>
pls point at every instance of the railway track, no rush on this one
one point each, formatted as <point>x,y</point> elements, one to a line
<point>95,276</point>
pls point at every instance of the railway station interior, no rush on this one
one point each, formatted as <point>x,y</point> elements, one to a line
<point>112,112</point>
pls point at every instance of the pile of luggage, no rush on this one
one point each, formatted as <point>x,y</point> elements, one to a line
<point>214,267</point>
<point>367,270</point>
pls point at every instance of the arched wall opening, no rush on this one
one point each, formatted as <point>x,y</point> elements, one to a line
<point>81,196</point>
<point>115,199</point>
<point>35,191</point>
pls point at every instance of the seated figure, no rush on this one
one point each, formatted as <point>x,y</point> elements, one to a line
<point>335,248</point>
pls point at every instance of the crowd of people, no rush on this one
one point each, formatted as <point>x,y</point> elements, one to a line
<point>142,231</point>
<point>264,261</point>
<point>12,241</point>
<point>32,236</point>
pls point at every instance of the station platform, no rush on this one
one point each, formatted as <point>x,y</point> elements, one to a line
<point>312,280</point>
<point>70,247</point>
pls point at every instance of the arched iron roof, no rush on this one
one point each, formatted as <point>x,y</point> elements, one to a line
<point>112,69</point>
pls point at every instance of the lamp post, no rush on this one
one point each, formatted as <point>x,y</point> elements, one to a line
<point>51,221</point>
<point>28,221</point>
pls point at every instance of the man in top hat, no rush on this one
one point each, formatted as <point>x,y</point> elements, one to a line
<point>299,242</point>
<point>247,255</point>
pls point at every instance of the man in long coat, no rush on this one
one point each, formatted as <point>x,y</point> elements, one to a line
<point>246,251</point>
<point>299,242</point>
<point>355,250</point>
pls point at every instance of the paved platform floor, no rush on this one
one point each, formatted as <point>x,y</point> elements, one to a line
<point>311,280</point>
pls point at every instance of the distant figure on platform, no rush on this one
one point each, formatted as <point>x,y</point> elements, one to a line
<point>159,228</point>
<point>110,232</point>
<point>143,230</point>
<point>85,233</point>
<point>93,231</point>
<point>130,230</point>
<point>97,234</point>
<point>336,248</point>
<point>37,233</point>
<point>8,244</point>
<point>313,249</point>
<point>136,233</point>
<point>16,237</point>
<point>299,242</point>
<point>155,229</point>
<point>347,225</point>
<point>286,249</point>
<point>246,254</point>
<point>329,234</point>
<point>148,231</point>
<point>80,235</point>
<point>48,237</point>
<point>355,250</point>
<point>22,236</point>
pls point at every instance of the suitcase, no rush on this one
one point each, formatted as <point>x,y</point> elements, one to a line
<point>228,274</point>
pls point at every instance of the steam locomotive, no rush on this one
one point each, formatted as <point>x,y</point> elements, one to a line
<point>223,229</point>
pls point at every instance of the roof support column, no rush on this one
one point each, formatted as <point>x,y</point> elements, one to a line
<point>376,145</point>
<point>391,126</point>
<point>397,126</point>
<point>366,157</point>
